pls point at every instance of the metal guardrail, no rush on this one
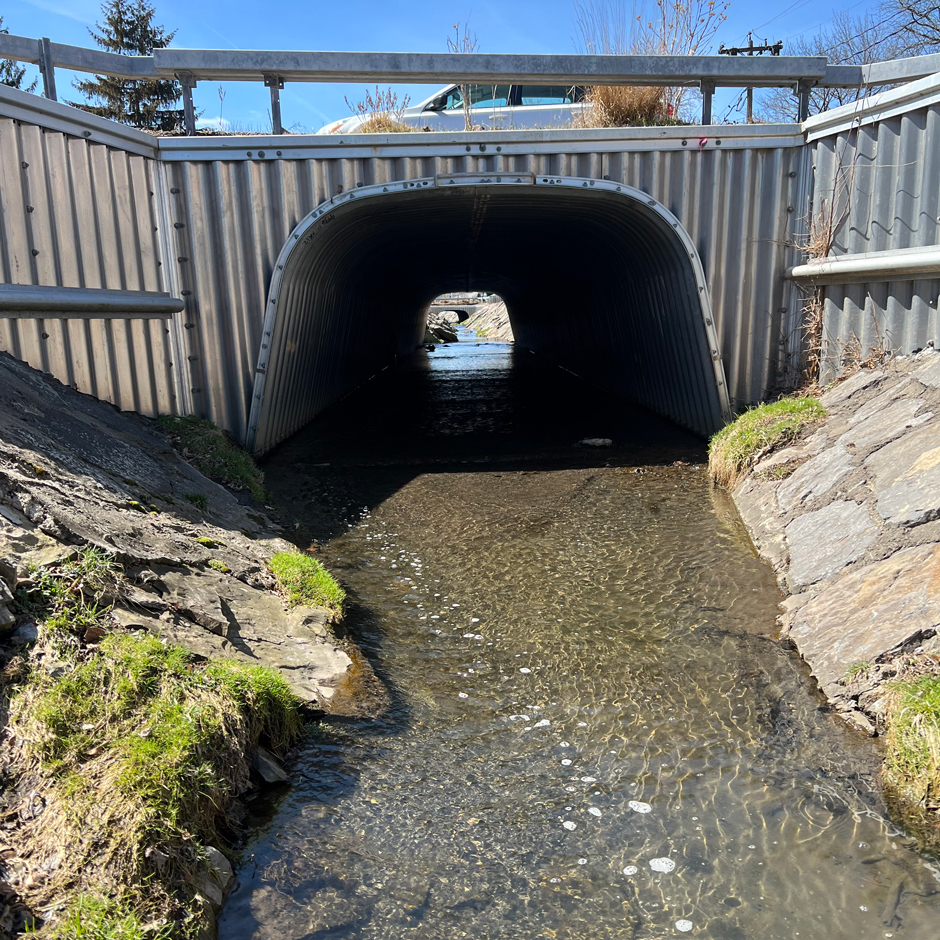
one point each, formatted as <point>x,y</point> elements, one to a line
<point>274,68</point>
<point>898,264</point>
<point>26,301</point>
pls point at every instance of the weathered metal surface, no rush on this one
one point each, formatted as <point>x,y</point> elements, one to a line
<point>224,207</point>
<point>878,181</point>
<point>78,214</point>
<point>739,204</point>
<point>900,70</point>
<point>51,115</point>
<point>315,66</point>
<point>248,65</point>
<point>86,303</point>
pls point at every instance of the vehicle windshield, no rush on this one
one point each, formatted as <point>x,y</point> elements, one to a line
<point>481,96</point>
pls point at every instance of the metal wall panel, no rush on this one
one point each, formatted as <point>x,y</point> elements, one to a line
<point>879,180</point>
<point>741,205</point>
<point>224,207</point>
<point>74,213</point>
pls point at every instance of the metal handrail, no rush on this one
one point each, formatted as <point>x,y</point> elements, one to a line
<point>30,301</point>
<point>190,66</point>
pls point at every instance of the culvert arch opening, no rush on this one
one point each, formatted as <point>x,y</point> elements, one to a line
<point>597,277</point>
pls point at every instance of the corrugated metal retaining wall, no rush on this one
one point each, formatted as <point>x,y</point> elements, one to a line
<point>79,213</point>
<point>877,177</point>
<point>220,213</point>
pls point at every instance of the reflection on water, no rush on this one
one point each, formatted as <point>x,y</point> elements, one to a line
<point>594,734</point>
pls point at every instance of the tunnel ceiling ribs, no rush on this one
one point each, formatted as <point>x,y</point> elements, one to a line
<point>597,277</point>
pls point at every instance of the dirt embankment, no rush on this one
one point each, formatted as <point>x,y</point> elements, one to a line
<point>181,562</point>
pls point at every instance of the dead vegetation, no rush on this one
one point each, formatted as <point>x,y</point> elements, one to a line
<point>380,112</point>
<point>625,106</point>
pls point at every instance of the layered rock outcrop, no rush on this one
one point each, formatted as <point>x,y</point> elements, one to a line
<point>850,520</point>
<point>75,471</point>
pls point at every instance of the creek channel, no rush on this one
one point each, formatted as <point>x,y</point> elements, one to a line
<point>593,732</point>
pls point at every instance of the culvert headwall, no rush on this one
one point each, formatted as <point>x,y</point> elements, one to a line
<point>598,277</point>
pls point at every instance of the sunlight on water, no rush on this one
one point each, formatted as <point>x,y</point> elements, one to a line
<point>593,734</point>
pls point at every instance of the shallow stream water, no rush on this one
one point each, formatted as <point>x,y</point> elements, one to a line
<point>593,731</point>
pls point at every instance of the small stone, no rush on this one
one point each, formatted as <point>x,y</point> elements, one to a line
<point>569,825</point>
<point>594,811</point>
<point>664,865</point>
<point>638,806</point>
<point>630,870</point>
<point>684,925</point>
<point>268,767</point>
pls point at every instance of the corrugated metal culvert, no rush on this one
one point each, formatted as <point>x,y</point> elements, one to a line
<point>596,276</point>
<point>737,197</point>
<point>222,210</point>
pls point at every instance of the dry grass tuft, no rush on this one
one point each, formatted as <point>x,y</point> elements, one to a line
<point>380,112</point>
<point>625,106</point>
<point>384,124</point>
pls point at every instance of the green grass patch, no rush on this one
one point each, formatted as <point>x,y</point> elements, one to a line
<point>912,756</point>
<point>90,917</point>
<point>306,581</point>
<point>140,750</point>
<point>214,453</point>
<point>856,669</point>
<point>757,432</point>
<point>199,500</point>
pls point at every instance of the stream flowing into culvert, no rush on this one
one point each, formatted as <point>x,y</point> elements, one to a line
<point>593,731</point>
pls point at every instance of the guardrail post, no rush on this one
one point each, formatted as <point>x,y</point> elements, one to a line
<point>708,89</point>
<point>188,82</point>
<point>47,68</point>
<point>275,83</point>
<point>803,89</point>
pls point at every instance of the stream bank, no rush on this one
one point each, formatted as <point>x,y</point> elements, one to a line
<point>117,554</point>
<point>849,517</point>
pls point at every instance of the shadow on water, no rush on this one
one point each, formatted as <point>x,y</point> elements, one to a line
<point>594,733</point>
<point>489,406</point>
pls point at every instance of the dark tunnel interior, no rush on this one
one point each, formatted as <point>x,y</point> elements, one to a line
<point>593,280</point>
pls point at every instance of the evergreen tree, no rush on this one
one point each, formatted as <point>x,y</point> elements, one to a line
<point>11,72</point>
<point>128,29</point>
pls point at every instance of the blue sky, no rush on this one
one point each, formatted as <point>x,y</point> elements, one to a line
<point>534,26</point>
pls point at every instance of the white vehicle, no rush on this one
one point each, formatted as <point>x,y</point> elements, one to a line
<point>492,107</point>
